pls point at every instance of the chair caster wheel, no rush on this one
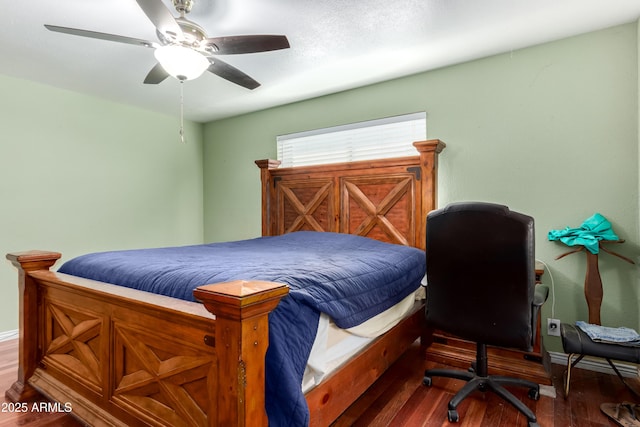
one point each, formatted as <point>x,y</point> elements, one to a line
<point>426,381</point>
<point>453,416</point>
<point>533,424</point>
<point>534,394</point>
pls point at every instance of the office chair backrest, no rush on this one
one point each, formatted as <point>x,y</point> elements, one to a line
<point>481,273</point>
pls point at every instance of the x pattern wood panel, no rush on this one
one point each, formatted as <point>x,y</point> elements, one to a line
<point>381,208</point>
<point>163,379</point>
<point>72,343</point>
<point>305,205</point>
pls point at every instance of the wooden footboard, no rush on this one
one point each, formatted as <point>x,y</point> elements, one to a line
<point>117,356</point>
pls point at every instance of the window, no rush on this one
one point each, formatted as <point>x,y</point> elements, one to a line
<point>373,139</point>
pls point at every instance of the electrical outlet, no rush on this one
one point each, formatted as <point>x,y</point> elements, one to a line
<point>553,327</point>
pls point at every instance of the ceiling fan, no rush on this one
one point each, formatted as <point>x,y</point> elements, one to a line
<point>184,50</point>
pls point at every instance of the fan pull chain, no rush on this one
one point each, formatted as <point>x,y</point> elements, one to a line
<point>182,138</point>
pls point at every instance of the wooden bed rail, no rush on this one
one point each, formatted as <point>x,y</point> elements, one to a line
<point>227,355</point>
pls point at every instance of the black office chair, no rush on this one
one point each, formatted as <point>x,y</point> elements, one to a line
<point>482,288</point>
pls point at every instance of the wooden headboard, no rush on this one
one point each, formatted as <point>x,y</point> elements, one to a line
<point>385,199</point>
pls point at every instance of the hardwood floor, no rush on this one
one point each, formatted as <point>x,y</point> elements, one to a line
<point>400,399</point>
<point>12,416</point>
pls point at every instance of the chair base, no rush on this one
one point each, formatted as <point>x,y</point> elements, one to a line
<point>477,379</point>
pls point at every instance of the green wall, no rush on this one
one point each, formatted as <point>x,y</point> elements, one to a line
<point>550,130</point>
<point>79,174</point>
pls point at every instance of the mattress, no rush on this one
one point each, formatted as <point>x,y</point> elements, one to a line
<point>333,346</point>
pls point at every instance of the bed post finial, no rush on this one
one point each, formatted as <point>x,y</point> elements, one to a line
<point>429,151</point>
<point>241,328</point>
<point>267,188</point>
<point>28,293</point>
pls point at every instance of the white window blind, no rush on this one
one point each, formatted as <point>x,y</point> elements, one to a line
<point>373,139</point>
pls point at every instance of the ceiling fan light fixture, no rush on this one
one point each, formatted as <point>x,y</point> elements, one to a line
<point>181,62</point>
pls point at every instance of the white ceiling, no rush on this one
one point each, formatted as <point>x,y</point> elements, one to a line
<point>335,44</point>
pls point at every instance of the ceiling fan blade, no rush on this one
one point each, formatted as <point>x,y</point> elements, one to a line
<point>160,16</point>
<point>231,73</point>
<point>248,44</point>
<point>156,75</point>
<point>102,36</point>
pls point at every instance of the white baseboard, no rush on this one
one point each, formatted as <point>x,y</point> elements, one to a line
<point>8,335</point>
<point>598,365</point>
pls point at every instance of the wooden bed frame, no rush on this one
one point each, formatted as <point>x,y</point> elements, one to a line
<point>118,356</point>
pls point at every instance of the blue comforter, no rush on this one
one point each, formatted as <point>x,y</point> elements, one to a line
<point>350,278</point>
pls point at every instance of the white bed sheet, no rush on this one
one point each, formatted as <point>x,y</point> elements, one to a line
<point>333,346</point>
